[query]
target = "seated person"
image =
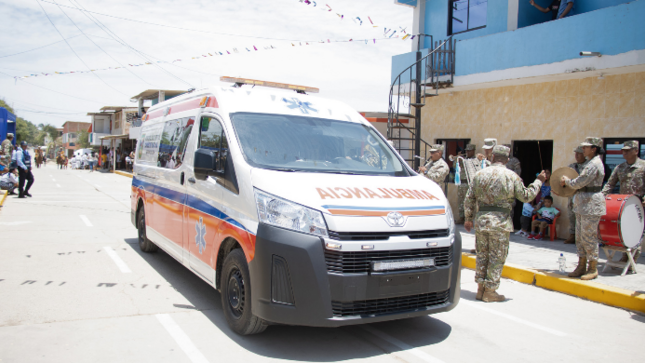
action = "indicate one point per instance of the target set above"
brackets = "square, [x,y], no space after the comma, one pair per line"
[9,181]
[546,215]
[527,214]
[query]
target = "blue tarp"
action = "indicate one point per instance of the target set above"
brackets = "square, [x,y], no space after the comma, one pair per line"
[7,124]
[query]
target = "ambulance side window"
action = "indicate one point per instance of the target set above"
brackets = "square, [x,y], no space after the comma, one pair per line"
[212,137]
[173,142]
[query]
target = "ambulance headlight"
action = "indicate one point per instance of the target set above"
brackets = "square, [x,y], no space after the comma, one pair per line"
[450,220]
[285,214]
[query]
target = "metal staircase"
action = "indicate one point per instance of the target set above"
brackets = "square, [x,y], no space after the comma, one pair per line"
[408,92]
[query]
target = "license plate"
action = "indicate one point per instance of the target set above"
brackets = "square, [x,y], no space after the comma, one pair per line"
[409,264]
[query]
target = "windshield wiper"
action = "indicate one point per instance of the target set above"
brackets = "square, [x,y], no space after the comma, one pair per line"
[283,169]
[337,172]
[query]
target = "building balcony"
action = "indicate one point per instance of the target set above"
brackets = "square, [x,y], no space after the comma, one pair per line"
[549,49]
[95,138]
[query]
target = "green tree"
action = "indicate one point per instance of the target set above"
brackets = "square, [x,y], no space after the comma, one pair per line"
[5,105]
[25,131]
[83,139]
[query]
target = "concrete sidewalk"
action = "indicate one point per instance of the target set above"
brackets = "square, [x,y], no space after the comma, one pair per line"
[543,255]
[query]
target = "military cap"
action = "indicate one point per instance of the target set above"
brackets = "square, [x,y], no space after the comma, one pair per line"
[507,145]
[489,143]
[592,141]
[501,150]
[470,147]
[632,144]
[23,143]
[436,147]
[578,149]
[10,135]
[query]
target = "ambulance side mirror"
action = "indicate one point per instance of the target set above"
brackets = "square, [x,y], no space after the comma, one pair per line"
[206,164]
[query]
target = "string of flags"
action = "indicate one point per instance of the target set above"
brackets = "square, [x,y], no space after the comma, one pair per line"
[388,34]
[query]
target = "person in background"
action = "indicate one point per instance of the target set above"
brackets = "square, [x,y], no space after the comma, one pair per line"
[491,195]
[554,7]
[23,159]
[545,190]
[577,166]
[528,209]
[589,206]
[513,162]
[489,144]
[104,159]
[546,215]
[436,169]
[92,160]
[631,175]
[8,148]
[465,174]
[9,181]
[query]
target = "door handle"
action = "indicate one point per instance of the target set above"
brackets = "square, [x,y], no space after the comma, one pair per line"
[192,180]
[181,178]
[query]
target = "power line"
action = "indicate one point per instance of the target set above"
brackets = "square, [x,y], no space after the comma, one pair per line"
[121,41]
[44,46]
[73,51]
[106,53]
[49,89]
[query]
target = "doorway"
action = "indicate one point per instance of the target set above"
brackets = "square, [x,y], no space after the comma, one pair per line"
[534,156]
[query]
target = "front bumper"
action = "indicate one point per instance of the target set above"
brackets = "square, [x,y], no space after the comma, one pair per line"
[291,284]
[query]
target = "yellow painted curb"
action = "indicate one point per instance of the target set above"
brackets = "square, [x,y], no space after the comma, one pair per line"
[4,196]
[122,173]
[593,291]
[589,290]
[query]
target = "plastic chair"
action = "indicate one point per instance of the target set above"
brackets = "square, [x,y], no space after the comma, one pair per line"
[551,227]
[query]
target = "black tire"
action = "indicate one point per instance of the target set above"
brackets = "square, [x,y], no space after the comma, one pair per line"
[236,295]
[145,244]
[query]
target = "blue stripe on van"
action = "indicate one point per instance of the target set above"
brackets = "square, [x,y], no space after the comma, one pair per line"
[187,200]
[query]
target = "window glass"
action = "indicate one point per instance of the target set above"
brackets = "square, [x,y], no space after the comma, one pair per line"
[467,15]
[300,143]
[148,144]
[172,144]
[212,137]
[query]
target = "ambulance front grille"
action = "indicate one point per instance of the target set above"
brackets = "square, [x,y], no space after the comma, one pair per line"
[389,305]
[361,262]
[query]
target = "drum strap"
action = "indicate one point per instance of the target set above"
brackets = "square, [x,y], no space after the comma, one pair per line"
[494,209]
[590,189]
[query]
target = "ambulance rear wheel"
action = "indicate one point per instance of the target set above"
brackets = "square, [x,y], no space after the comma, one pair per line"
[236,295]
[145,244]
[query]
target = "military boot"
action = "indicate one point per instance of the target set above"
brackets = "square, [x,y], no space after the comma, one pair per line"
[492,296]
[571,240]
[592,271]
[581,269]
[480,291]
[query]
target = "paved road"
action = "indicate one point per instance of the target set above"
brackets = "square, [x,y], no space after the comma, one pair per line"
[74,287]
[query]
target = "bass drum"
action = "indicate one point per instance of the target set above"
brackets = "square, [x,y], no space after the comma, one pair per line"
[623,224]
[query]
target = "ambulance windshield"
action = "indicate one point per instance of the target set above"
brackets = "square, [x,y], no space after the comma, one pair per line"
[298,143]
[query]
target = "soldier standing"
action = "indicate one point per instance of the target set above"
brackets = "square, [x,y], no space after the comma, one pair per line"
[577,166]
[631,175]
[513,162]
[436,169]
[588,205]
[489,144]
[7,147]
[468,169]
[493,190]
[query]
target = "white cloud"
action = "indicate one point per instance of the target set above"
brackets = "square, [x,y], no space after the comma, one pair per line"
[354,72]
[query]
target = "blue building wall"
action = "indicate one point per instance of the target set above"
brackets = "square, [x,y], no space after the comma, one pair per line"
[610,31]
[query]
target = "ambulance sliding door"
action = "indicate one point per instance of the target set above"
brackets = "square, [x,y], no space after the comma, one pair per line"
[204,205]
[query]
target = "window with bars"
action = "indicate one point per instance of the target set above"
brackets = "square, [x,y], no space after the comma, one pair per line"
[466,15]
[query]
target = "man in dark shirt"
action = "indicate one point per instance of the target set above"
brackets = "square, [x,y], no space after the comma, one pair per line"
[558,8]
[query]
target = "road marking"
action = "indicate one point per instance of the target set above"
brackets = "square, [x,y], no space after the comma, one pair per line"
[58,185]
[14,223]
[119,262]
[405,347]
[86,221]
[181,338]
[515,319]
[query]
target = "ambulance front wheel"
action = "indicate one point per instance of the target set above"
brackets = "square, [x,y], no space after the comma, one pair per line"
[236,295]
[145,244]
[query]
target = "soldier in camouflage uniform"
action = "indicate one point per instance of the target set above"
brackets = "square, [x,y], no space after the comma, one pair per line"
[493,190]
[631,175]
[7,147]
[489,144]
[513,162]
[468,166]
[436,169]
[577,166]
[588,205]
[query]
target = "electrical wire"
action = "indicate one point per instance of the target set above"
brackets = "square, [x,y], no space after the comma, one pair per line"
[49,89]
[44,46]
[98,46]
[73,51]
[121,41]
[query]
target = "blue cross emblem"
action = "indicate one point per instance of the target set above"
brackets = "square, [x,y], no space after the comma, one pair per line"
[200,240]
[304,107]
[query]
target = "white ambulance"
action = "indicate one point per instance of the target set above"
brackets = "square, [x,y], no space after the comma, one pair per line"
[294,207]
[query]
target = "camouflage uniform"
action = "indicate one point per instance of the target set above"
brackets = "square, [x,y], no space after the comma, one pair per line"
[494,188]
[7,147]
[469,167]
[437,172]
[589,206]
[572,216]
[631,178]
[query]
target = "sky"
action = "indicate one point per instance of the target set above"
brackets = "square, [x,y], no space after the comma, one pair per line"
[353,72]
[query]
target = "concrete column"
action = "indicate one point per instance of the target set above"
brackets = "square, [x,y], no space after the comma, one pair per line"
[418,23]
[513,13]
[140,107]
[162,96]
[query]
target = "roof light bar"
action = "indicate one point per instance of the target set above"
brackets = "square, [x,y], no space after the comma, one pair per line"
[254,82]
